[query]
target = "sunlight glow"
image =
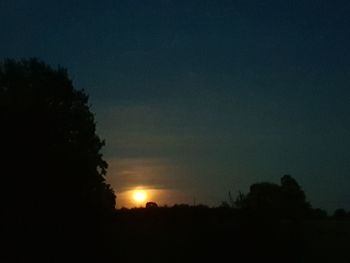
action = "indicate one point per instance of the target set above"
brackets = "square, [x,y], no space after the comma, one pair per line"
[139,196]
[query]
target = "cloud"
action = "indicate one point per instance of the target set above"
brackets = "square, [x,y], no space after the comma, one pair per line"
[156,173]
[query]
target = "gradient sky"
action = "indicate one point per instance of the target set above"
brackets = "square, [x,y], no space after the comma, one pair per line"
[198,98]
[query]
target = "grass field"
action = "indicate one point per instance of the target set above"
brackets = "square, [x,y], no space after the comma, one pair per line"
[220,235]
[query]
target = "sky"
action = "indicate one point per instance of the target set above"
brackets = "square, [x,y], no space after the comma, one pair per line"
[198,98]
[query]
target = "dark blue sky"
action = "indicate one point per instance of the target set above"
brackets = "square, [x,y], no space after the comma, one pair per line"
[198,98]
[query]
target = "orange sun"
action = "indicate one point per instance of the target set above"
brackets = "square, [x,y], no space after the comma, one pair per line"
[139,196]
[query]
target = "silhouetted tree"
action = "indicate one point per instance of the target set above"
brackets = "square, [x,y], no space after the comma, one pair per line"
[151,205]
[230,203]
[340,214]
[317,213]
[52,172]
[240,201]
[224,204]
[264,199]
[284,201]
[293,198]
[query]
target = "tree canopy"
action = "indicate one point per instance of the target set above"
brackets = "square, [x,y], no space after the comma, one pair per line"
[280,201]
[52,166]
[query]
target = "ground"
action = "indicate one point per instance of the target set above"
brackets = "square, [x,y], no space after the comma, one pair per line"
[198,234]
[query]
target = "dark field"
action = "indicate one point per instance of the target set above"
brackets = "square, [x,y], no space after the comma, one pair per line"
[223,235]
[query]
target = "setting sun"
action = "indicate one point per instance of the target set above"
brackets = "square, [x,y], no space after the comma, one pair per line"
[139,196]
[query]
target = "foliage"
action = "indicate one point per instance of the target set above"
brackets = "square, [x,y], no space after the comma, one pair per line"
[151,205]
[283,201]
[340,214]
[52,166]
[317,214]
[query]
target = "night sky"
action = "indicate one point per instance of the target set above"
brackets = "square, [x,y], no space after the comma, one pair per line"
[198,98]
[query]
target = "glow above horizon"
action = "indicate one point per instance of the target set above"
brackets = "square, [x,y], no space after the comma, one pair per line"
[139,196]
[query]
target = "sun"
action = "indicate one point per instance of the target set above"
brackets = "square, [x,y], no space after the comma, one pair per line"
[139,196]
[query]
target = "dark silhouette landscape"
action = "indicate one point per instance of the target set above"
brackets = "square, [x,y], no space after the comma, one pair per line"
[57,206]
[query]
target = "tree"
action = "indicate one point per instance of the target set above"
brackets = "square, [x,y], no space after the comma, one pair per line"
[240,201]
[264,199]
[53,173]
[284,201]
[293,198]
[340,214]
[151,205]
